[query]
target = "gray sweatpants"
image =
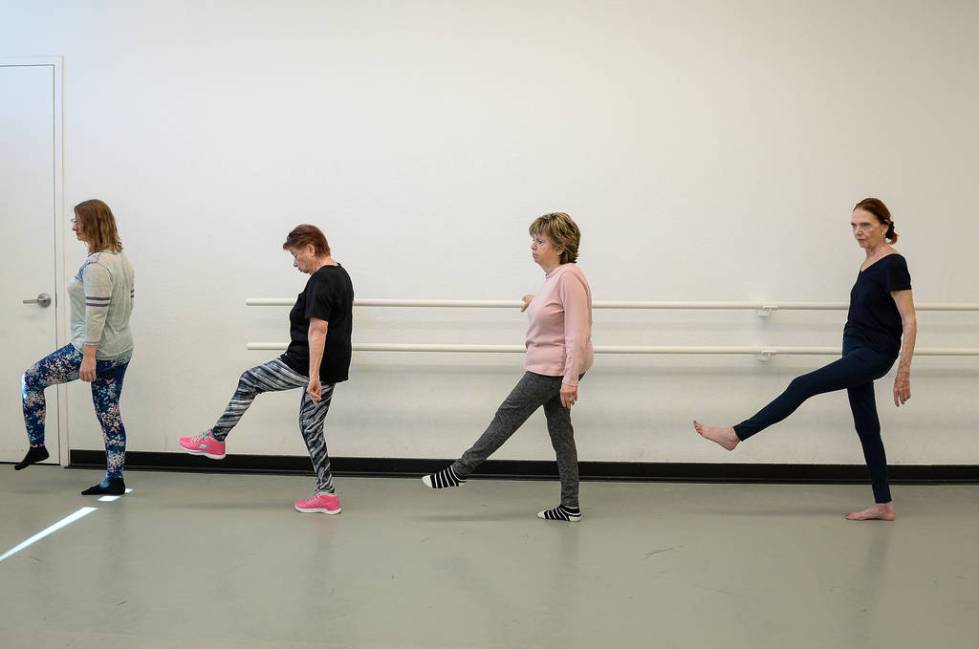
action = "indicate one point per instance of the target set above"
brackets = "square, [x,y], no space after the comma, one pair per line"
[276,376]
[532,392]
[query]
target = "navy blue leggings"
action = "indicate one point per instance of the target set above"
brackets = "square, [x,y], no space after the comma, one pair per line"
[855,372]
[63,366]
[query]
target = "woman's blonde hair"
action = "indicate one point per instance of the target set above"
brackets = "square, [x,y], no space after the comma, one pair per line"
[562,230]
[98,226]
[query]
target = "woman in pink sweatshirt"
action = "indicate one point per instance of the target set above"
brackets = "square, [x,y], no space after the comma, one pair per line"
[559,352]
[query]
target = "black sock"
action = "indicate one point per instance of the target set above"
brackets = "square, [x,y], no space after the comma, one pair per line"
[34,455]
[444,478]
[561,513]
[108,487]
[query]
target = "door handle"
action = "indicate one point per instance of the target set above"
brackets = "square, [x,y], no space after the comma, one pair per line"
[43,300]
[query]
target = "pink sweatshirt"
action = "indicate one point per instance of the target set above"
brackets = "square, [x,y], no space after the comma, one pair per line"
[559,336]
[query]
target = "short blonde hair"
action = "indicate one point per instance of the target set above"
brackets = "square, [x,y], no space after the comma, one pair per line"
[98,226]
[562,230]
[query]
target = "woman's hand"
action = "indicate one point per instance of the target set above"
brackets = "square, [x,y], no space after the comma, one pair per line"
[314,389]
[526,301]
[569,394]
[902,388]
[87,370]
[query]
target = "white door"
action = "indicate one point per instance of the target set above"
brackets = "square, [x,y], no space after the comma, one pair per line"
[28,209]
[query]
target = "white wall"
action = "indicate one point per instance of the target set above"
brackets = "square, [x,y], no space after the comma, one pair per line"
[710,151]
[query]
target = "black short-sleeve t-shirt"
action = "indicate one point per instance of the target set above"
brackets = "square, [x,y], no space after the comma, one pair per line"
[329,296]
[873,315]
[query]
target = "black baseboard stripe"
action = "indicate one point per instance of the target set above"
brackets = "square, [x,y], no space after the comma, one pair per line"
[535,470]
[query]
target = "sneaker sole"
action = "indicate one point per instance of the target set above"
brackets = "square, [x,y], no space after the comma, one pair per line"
[210,456]
[319,510]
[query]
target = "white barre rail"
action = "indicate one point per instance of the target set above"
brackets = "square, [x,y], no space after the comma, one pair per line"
[763,352]
[762,307]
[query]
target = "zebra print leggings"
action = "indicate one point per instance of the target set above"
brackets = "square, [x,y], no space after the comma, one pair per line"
[276,376]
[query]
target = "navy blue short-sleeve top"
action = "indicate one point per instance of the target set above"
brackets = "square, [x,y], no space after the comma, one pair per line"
[873,315]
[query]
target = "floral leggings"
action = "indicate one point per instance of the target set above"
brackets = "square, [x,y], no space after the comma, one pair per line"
[63,366]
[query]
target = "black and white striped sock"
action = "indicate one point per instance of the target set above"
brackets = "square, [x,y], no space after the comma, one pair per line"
[561,513]
[444,478]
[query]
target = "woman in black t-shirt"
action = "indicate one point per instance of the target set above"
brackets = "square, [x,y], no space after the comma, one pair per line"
[881,314]
[317,359]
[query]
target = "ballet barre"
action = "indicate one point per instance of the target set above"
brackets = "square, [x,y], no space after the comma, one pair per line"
[762,309]
[762,353]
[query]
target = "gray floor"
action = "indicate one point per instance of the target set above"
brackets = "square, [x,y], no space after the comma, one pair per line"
[195,560]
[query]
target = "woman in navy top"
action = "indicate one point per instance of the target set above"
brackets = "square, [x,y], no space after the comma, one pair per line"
[881,315]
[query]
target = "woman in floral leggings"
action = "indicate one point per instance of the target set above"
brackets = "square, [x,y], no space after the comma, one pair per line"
[101,345]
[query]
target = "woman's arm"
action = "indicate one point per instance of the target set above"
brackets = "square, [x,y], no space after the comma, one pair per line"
[577,332]
[317,343]
[97,284]
[909,323]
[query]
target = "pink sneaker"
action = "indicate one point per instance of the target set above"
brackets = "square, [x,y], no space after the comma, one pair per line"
[319,502]
[203,444]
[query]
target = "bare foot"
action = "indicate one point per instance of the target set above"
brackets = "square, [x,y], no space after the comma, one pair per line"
[878,512]
[722,435]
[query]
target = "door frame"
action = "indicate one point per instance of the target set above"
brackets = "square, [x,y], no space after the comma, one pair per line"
[56,63]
